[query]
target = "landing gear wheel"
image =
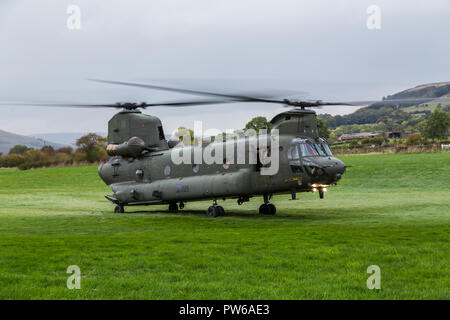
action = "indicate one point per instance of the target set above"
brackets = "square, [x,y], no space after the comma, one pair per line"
[272,209]
[119,209]
[173,207]
[181,205]
[212,212]
[221,210]
[267,208]
[263,208]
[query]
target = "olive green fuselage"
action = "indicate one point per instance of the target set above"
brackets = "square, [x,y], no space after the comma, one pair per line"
[154,178]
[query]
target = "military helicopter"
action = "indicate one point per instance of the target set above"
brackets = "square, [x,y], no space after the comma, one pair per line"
[141,170]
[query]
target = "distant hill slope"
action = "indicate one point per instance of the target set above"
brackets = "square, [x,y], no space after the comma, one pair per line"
[387,113]
[440,89]
[64,138]
[9,140]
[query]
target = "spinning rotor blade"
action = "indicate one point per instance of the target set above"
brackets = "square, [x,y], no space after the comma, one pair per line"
[221,98]
[260,97]
[396,101]
[120,105]
[64,105]
[269,98]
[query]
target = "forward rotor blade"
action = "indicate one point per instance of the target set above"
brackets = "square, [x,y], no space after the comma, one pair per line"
[119,105]
[63,105]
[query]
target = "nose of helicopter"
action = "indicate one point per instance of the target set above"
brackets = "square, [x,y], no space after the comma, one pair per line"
[332,170]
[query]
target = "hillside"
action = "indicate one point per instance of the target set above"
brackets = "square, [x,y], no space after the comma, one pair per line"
[64,138]
[434,90]
[9,140]
[387,117]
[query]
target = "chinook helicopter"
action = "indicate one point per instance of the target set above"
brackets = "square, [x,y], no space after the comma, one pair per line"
[141,171]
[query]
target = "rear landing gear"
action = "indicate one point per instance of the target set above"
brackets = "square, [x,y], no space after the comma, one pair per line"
[266,207]
[215,211]
[119,209]
[173,207]
[221,210]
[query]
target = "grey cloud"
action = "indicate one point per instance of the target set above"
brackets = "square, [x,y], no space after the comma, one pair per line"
[322,47]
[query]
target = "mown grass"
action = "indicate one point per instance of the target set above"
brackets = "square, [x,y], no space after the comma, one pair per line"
[389,210]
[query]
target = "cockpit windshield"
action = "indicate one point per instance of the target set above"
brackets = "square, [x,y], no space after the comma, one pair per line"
[321,149]
[327,149]
[307,148]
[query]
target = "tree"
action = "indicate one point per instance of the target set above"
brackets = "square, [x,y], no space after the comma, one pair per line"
[182,133]
[48,150]
[88,143]
[92,145]
[322,126]
[258,123]
[18,149]
[436,126]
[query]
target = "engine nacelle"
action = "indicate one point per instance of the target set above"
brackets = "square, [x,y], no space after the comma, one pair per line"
[132,148]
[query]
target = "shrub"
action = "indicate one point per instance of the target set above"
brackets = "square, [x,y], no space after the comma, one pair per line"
[66,150]
[414,139]
[354,144]
[12,160]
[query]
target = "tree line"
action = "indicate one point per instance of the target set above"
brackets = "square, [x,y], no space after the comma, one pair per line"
[90,149]
[430,125]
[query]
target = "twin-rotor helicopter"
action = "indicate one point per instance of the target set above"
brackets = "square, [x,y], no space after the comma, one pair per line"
[141,171]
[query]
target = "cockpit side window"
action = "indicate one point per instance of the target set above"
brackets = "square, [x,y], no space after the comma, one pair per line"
[293,152]
[161,133]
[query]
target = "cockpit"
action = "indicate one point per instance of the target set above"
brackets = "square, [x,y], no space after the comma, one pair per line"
[308,148]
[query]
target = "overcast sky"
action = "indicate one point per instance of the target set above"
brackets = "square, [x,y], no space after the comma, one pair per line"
[321,47]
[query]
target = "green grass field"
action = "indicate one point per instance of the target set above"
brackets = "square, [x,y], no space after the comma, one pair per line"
[389,210]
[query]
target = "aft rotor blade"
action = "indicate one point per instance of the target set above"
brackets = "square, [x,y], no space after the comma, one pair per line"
[187,103]
[389,101]
[237,97]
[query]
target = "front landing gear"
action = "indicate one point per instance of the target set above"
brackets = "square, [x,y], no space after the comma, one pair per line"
[119,209]
[215,211]
[266,207]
